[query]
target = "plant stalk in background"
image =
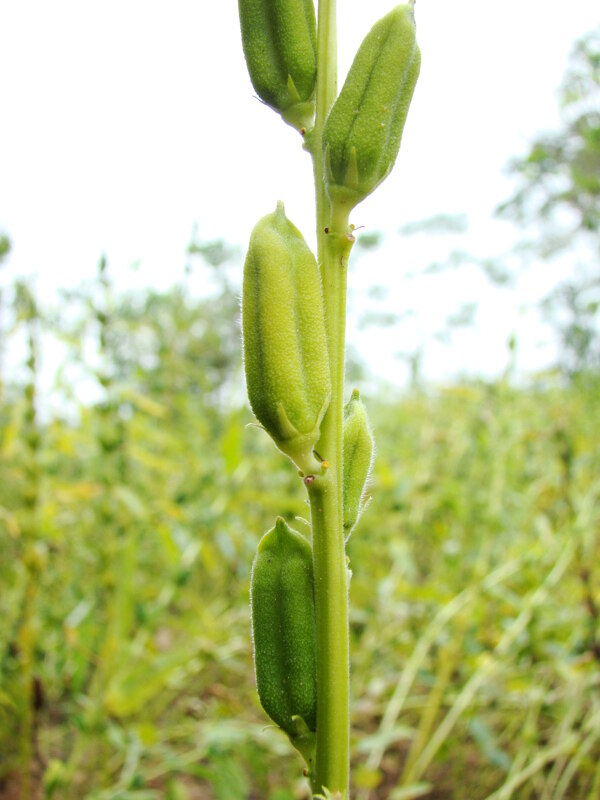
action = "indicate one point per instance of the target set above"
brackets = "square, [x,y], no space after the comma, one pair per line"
[294,320]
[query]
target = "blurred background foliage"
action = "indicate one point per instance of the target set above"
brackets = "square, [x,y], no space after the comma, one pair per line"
[133,493]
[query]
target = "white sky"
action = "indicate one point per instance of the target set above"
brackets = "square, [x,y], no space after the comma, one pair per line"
[125,123]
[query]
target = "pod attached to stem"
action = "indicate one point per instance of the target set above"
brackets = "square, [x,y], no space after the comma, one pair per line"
[364,128]
[280,45]
[284,633]
[285,347]
[358,458]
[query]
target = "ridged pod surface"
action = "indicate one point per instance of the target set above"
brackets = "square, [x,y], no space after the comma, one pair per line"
[363,131]
[358,457]
[284,628]
[285,347]
[280,45]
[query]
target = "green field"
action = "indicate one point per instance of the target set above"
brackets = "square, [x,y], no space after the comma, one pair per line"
[128,524]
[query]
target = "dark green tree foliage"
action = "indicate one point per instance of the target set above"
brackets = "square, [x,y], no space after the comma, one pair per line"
[558,196]
[560,175]
[4,246]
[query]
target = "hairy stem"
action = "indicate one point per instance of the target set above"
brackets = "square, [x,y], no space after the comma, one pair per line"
[331,575]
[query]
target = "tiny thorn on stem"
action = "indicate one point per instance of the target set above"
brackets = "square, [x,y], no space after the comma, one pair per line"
[326,230]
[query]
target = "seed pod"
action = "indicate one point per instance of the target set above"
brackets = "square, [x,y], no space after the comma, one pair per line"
[280,44]
[285,348]
[284,629]
[358,458]
[362,133]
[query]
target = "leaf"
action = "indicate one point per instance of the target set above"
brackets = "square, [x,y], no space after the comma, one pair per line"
[486,741]
[412,791]
[146,404]
[132,501]
[385,738]
[79,613]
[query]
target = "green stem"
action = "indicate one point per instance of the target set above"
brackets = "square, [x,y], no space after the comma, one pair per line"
[332,761]
[26,645]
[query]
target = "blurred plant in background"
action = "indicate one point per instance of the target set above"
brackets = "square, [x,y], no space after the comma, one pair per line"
[127,671]
[128,498]
[558,196]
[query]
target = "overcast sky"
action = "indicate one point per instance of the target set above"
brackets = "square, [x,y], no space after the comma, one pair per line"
[124,124]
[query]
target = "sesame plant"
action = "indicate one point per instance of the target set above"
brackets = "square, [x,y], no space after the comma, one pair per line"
[293,320]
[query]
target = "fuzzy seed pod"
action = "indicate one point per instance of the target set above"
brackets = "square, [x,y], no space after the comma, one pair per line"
[284,629]
[362,133]
[280,44]
[285,347]
[358,457]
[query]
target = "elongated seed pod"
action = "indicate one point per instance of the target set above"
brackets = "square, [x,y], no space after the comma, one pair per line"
[362,133]
[284,628]
[358,458]
[285,348]
[280,45]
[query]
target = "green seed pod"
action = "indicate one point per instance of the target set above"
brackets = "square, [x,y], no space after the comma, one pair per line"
[284,629]
[285,347]
[362,133]
[358,458]
[280,44]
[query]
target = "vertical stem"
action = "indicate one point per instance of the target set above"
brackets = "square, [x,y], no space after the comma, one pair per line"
[29,533]
[325,493]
